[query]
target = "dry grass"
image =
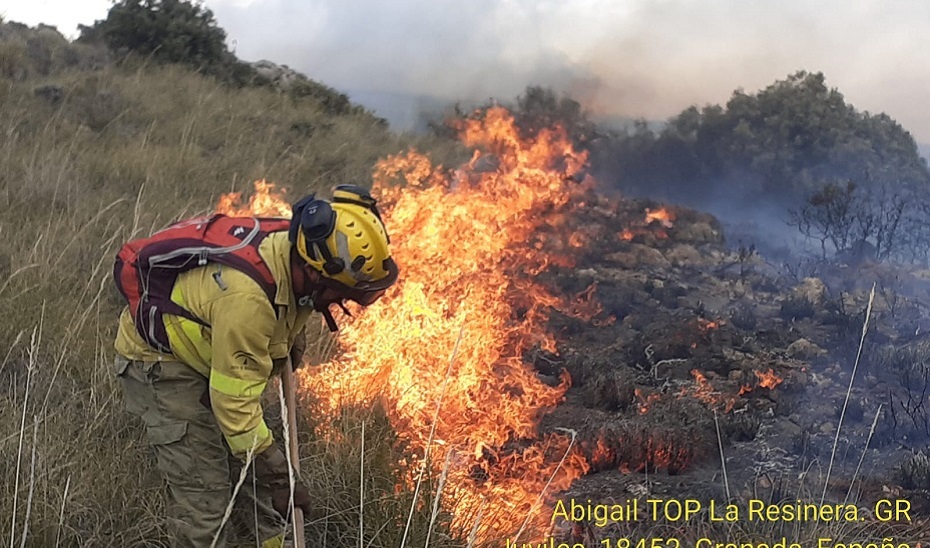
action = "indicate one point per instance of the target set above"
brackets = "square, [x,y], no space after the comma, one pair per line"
[126,150]
[354,460]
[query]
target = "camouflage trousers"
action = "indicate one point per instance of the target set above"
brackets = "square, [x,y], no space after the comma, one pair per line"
[191,453]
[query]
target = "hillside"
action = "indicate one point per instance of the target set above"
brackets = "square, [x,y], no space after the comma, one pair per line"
[94,152]
[548,340]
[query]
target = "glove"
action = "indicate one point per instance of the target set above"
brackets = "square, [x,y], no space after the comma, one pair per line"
[271,469]
[297,350]
[281,499]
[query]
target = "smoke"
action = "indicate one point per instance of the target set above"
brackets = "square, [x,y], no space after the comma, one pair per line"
[639,58]
[65,15]
[461,50]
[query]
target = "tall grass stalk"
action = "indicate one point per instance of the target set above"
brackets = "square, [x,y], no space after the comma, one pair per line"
[30,366]
[864,451]
[473,534]
[61,513]
[286,429]
[432,433]
[545,488]
[442,483]
[361,492]
[32,481]
[76,236]
[852,377]
[137,208]
[77,323]
[17,272]
[255,510]
[243,473]
[9,351]
[723,459]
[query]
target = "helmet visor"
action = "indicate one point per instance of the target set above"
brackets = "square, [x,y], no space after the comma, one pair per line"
[365,298]
[338,293]
[364,293]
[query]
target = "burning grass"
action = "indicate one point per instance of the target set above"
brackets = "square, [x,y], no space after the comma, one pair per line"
[486,421]
[476,244]
[469,256]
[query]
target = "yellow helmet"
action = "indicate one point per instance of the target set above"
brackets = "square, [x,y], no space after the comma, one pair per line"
[346,242]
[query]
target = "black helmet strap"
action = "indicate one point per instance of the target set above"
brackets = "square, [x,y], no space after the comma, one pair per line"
[322,306]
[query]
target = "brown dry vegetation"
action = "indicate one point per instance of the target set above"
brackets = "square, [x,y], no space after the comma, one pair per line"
[118,152]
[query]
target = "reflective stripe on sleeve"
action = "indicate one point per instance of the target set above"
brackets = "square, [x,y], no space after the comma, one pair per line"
[254,439]
[232,386]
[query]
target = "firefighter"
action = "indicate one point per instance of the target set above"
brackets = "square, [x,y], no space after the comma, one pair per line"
[199,391]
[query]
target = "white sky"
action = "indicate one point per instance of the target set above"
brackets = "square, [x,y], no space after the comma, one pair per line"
[648,58]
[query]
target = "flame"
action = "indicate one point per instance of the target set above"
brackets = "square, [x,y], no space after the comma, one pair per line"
[645,400]
[707,393]
[469,243]
[265,202]
[442,350]
[662,216]
[628,450]
[704,391]
[709,325]
[654,223]
[577,239]
[768,379]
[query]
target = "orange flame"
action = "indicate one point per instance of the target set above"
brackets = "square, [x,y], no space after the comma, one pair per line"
[645,400]
[577,239]
[707,393]
[704,390]
[661,215]
[768,379]
[709,325]
[468,243]
[265,202]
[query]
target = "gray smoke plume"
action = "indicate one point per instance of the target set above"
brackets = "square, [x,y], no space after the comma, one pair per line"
[636,58]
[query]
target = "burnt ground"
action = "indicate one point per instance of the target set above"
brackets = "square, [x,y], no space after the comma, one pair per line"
[708,338]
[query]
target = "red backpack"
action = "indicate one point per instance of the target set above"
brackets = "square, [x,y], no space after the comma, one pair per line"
[146,269]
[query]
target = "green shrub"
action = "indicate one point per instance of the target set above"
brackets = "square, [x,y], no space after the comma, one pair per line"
[173,31]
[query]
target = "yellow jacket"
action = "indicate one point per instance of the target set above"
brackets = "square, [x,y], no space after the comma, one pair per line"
[237,350]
